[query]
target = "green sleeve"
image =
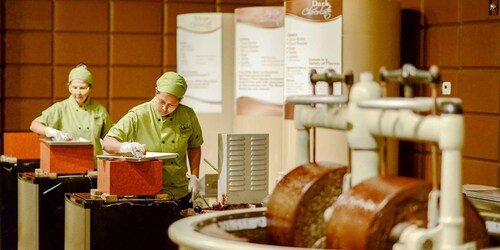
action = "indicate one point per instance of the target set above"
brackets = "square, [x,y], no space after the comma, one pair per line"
[51,117]
[125,129]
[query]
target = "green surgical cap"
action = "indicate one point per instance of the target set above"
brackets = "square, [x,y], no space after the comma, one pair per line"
[172,83]
[80,72]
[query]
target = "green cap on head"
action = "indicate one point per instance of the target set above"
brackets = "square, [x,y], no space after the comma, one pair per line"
[171,83]
[80,72]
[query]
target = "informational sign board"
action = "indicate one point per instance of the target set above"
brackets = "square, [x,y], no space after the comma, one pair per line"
[313,40]
[200,48]
[259,68]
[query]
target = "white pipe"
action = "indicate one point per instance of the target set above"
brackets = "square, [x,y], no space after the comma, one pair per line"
[302,145]
[403,124]
[359,136]
[448,131]
[364,146]
[364,165]
[332,117]
[451,210]
[306,117]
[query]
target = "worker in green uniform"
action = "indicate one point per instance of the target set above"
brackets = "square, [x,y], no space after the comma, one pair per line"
[164,125]
[77,116]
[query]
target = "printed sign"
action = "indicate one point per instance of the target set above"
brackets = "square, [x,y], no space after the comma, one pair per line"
[259,64]
[313,40]
[199,59]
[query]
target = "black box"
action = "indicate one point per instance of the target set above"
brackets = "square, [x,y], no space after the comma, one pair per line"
[41,208]
[128,223]
[8,200]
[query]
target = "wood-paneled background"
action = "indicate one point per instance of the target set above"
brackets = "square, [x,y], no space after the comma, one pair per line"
[127,44]
[463,39]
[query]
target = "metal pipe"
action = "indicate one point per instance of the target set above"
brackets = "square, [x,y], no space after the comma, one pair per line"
[409,75]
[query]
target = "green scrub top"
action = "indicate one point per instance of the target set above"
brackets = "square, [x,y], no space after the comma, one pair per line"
[90,122]
[175,133]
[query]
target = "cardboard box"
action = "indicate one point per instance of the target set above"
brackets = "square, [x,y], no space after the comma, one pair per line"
[66,159]
[22,145]
[124,178]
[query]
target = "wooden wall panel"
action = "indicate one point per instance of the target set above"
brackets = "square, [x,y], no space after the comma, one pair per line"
[73,48]
[20,112]
[170,50]
[474,10]
[482,137]
[133,82]
[460,38]
[135,49]
[141,17]
[85,16]
[28,47]
[475,85]
[479,45]
[480,172]
[118,108]
[443,11]
[441,46]
[25,81]
[28,14]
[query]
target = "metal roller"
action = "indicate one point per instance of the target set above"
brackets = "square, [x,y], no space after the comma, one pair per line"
[372,213]
[295,210]
[296,206]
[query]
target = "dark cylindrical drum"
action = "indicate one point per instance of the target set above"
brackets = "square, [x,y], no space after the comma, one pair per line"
[364,217]
[296,206]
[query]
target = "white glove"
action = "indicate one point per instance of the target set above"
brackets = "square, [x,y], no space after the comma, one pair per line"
[135,148]
[57,134]
[194,187]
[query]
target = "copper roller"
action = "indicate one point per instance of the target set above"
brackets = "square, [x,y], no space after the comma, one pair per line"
[296,206]
[366,216]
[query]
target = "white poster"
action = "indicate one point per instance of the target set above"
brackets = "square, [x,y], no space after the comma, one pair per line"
[199,59]
[313,40]
[259,61]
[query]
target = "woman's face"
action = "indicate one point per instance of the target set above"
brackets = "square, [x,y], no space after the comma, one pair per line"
[79,90]
[166,103]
